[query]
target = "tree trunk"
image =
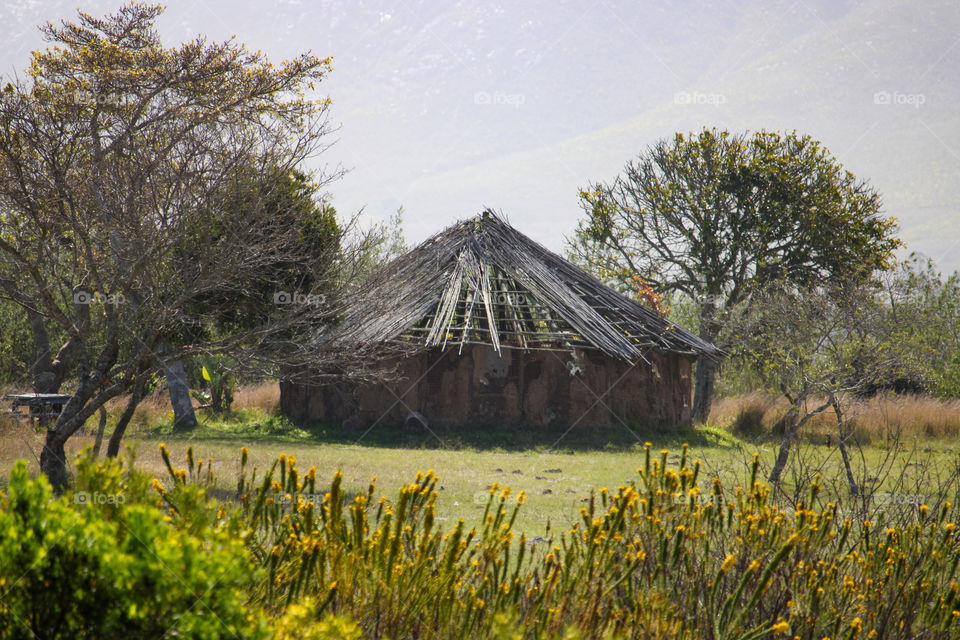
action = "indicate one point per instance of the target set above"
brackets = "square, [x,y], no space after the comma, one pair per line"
[53,460]
[854,489]
[783,454]
[789,432]
[183,415]
[44,378]
[842,443]
[706,373]
[100,429]
[113,447]
[703,389]
[48,372]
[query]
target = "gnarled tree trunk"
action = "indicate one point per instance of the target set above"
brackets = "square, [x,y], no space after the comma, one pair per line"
[789,433]
[842,443]
[100,429]
[183,414]
[48,372]
[53,460]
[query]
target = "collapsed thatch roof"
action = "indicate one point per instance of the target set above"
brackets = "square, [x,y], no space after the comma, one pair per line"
[483,282]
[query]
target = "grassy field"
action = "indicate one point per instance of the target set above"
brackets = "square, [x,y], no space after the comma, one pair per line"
[557,482]
[687,541]
[557,471]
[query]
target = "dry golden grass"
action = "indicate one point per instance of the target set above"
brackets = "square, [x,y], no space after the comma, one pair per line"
[152,410]
[22,441]
[878,419]
[155,408]
[19,442]
[264,396]
[748,415]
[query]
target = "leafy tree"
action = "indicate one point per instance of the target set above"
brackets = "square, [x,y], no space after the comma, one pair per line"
[16,347]
[927,305]
[291,201]
[288,200]
[714,216]
[116,156]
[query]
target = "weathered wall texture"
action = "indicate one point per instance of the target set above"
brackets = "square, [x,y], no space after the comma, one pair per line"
[478,387]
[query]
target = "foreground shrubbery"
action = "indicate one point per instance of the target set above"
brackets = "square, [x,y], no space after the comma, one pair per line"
[69,567]
[657,559]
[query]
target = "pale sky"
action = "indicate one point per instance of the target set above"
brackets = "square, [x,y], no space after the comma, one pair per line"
[450,107]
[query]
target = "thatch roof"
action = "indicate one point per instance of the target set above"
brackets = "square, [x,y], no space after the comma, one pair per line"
[483,282]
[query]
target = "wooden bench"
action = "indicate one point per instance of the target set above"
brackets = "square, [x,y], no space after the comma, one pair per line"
[42,407]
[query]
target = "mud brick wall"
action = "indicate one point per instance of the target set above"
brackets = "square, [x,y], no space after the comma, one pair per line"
[532,388]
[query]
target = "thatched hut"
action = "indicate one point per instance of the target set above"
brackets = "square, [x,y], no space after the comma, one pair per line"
[498,330]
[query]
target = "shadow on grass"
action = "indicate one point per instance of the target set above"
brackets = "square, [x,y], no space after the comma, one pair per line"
[495,437]
[252,427]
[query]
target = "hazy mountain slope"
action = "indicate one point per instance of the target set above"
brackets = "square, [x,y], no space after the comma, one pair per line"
[823,82]
[449,107]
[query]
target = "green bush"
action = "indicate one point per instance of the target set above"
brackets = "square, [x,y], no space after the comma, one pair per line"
[104,562]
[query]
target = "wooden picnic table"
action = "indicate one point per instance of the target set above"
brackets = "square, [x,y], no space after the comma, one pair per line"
[39,405]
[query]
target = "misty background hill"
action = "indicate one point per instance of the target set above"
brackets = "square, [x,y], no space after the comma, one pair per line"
[447,108]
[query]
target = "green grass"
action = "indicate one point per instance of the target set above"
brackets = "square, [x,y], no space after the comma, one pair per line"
[557,471]
[733,560]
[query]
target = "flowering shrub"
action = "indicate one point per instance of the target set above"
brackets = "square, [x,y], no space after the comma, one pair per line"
[660,558]
[667,556]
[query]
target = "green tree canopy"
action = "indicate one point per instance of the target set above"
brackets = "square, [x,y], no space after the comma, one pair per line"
[118,158]
[714,216]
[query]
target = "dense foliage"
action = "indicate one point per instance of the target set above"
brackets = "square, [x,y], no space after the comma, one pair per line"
[896,331]
[927,304]
[713,216]
[108,564]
